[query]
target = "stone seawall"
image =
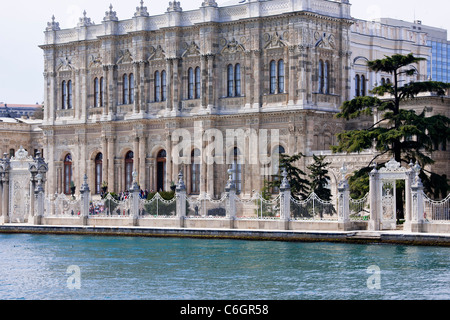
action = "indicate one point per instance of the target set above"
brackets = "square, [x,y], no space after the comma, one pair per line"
[392,237]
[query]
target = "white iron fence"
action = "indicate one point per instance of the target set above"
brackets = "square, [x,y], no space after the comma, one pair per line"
[437,211]
[313,208]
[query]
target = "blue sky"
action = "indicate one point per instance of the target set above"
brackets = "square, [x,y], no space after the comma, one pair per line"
[22,24]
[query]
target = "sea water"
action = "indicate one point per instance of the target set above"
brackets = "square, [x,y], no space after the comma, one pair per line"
[63,267]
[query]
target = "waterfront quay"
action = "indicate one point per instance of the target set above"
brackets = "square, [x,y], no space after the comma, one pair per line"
[363,237]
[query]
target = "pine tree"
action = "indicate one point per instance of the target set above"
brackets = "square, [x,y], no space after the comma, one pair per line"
[405,135]
[296,177]
[319,178]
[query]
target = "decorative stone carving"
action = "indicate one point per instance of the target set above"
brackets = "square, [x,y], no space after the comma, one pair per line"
[53,26]
[324,40]
[174,6]
[231,46]
[85,21]
[110,15]
[274,41]
[95,61]
[191,49]
[125,57]
[156,53]
[65,64]
[141,11]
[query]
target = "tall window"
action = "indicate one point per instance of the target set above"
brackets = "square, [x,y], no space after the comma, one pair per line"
[234,80]
[195,171]
[160,170]
[96,93]
[276,153]
[160,87]
[273,77]
[277,74]
[126,91]
[64,95]
[363,86]
[326,73]
[102,91]
[236,168]
[157,87]
[191,83]
[131,97]
[163,86]
[197,83]
[237,80]
[129,169]
[98,173]
[321,77]
[69,95]
[67,173]
[230,76]
[357,85]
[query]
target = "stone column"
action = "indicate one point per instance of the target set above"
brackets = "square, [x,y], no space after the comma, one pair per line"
[105,93]
[203,83]
[210,93]
[142,88]
[257,72]
[417,205]
[170,106]
[168,162]
[85,198]
[181,200]
[136,86]
[375,200]
[135,191]
[39,205]
[230,189]
[344,202]
[285,202]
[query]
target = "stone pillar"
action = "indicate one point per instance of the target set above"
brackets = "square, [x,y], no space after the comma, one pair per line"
[375,200]
[230,189]
[105,90]
[417,205]
[135,191]
[181,200]
[4,168]
[136,87]
[110,163]
[408,199]
[344,202]
[85,198]
[285,201]
[39,205]
[142,157]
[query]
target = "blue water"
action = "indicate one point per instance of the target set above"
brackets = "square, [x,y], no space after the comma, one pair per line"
[117,268]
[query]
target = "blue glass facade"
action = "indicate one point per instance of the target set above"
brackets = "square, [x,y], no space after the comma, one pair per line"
[438,67]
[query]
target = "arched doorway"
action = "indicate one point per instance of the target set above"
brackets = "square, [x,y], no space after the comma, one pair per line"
[67,174]
[129,159]
[98,173]
[160,170]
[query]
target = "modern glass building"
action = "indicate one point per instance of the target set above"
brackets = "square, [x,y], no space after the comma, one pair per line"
[438,67]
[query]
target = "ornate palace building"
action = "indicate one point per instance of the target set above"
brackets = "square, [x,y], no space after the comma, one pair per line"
[119,93]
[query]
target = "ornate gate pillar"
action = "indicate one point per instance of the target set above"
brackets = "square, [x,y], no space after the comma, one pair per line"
[374,222]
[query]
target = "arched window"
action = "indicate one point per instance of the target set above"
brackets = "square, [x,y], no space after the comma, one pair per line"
[67,174]
[64,95]
[197,83]
[273,77]
[69,95]
[237,78]
[326,82]
[388,81]
[321,76]
[363,86]
[102,91]
[157,86]
[160,170]
[357,86]
[163,86]
[280,76]
[383,81]
[230,82]
[195,171]
[125,93]
[191,83]
[12,152]
[236,168]
[129,169]
[131,97]
[98,173]
[96,93]
[276,154]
